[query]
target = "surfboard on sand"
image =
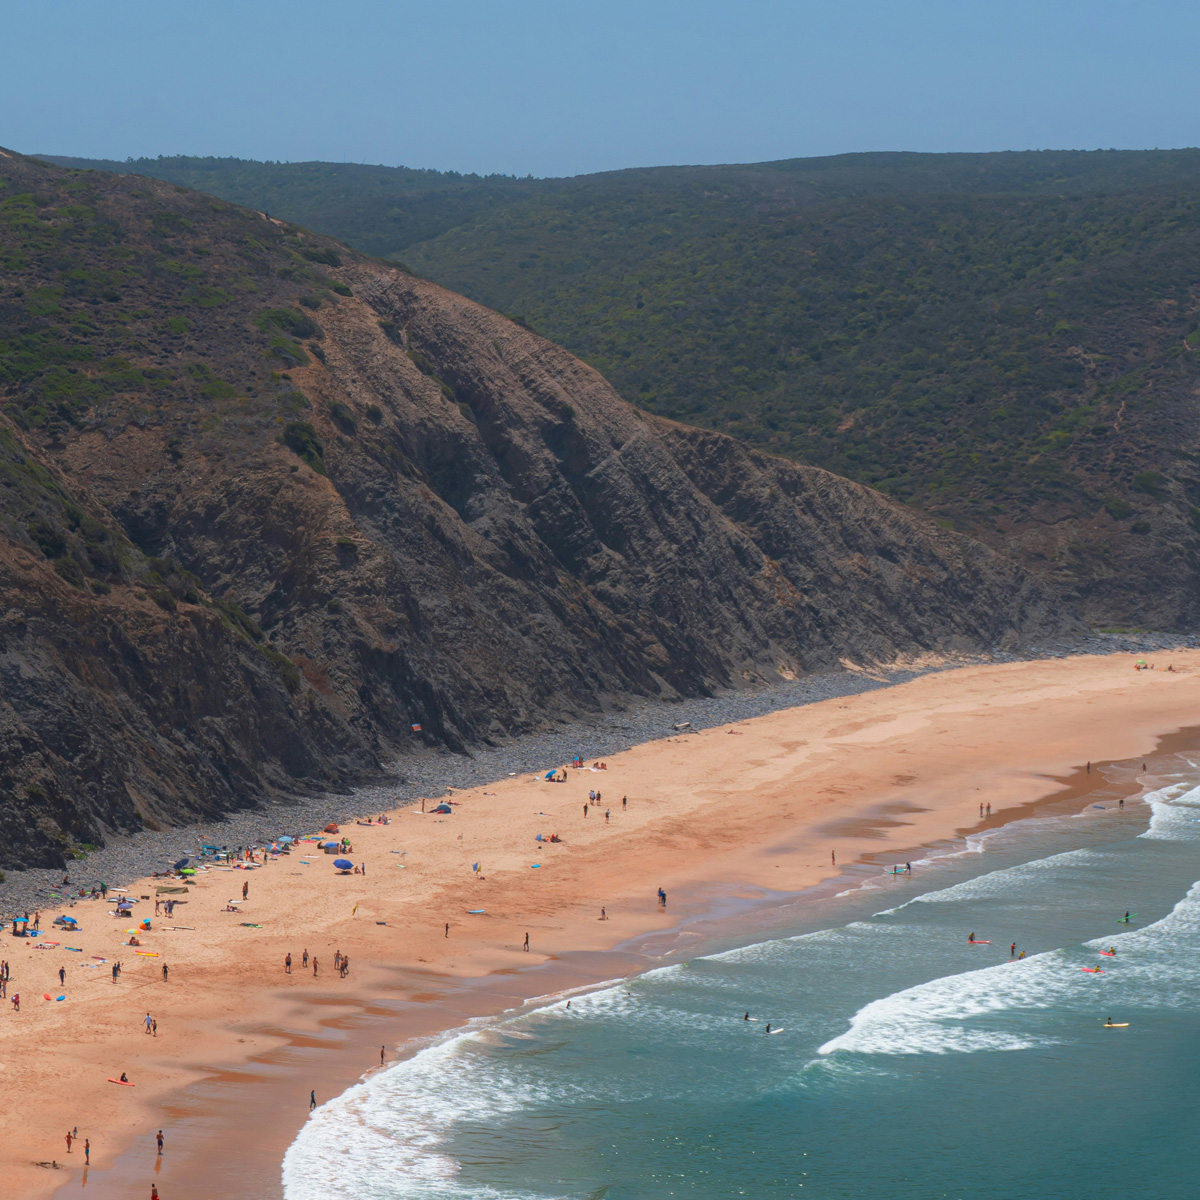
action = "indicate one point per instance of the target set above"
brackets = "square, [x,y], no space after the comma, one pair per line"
[121,1082]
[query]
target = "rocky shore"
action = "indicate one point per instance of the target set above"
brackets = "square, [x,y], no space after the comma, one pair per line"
[431,773]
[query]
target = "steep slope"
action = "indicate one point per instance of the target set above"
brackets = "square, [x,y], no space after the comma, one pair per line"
[341,502]
[1005,341]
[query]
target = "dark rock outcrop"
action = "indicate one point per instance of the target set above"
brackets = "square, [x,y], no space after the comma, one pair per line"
[340,502]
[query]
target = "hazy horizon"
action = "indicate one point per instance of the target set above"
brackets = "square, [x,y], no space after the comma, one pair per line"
[547,90]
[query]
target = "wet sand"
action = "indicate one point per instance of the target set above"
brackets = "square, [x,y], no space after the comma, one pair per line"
[725,817]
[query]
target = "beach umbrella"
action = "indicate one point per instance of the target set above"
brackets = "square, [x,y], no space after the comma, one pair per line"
[343,864]
[329,845]
[183,862]
[443,808]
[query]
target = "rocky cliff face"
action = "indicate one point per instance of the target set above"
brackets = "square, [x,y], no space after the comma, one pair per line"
[269,505]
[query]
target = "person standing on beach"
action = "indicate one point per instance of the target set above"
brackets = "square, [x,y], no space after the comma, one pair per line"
[585,808]
[245,889]
[159,1139]
[87,1152]
[447,928]
[62,976]
[624,803]
[312,1100]
[165,972]
[114,972]
[149,1022]
[526,946]
[381,1049]
[287,964]
[70,1139]
[606,815]
[314,966]
[833,858]
[989,809]
[304,960]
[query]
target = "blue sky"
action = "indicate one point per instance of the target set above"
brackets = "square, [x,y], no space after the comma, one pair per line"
[525,86]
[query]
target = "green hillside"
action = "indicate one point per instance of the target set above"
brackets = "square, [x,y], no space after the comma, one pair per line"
[1007,341]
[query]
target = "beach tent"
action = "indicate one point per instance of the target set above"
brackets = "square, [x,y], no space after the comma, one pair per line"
[343,864]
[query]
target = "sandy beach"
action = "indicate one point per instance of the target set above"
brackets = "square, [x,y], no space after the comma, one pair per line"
[764,804]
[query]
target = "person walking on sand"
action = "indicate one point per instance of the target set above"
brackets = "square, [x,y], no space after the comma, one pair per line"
[381,1049]
[314,966]
[606,816]
[87,1152]
[149,1022]
[624,803]
[287,964]
[16,1001]
[447,929]
[114,972]
[62,976]
[526,946]
[585,808]
[166,972]
[70,1139]
[245,889]
[154,1027]
[833,858]
[159,1140]
[312,1099]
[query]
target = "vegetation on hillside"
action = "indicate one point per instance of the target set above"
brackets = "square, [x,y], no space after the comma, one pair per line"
[1007,341]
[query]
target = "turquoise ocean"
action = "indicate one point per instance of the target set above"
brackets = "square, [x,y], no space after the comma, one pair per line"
[908,1063]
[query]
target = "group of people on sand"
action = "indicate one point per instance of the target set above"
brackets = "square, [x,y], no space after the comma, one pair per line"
[1144,666]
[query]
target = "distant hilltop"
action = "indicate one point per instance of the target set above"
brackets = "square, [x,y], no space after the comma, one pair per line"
[275,512]
[1007,341]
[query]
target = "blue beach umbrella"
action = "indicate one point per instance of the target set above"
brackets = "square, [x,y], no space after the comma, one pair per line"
[343,864]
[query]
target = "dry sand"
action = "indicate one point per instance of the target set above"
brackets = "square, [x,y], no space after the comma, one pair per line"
[760,803]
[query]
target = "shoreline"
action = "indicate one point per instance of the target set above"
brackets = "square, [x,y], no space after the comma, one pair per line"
[242,1095]
[691,833]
